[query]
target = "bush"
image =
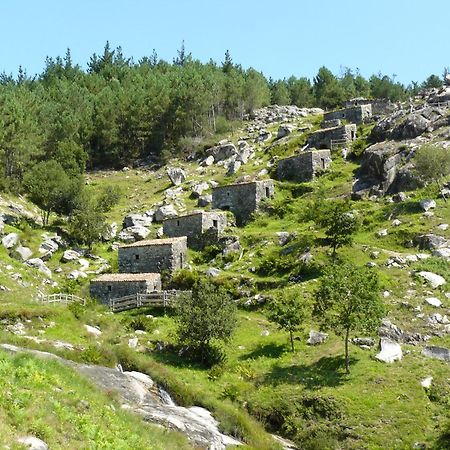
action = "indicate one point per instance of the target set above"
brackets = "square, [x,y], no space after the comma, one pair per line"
[141,322]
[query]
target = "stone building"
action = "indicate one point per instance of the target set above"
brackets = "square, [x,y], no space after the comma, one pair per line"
[354,114]
[325,138]
[200,227]
[116,285]
[380,106]
[303,166]
[153,256]
[242,199]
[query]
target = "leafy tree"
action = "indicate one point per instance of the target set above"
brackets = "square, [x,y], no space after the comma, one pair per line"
[280,93]
[289,311]
[300,91]
[432,164]
[108,198]
[339,222]
[50,188]
[205,317]
[433,81]
[328,91]
[348,300]
[87,223]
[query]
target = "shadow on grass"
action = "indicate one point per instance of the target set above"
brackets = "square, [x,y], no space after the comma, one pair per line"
[268,350]
[327,371]
[403,208]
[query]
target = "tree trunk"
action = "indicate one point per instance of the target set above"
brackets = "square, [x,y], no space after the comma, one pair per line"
[347,359]
[292,341]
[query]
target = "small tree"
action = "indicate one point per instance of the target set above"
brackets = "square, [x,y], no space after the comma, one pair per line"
[432,164]
[348,300]
[289,311]
[206,316]
[339,222]
[51,189]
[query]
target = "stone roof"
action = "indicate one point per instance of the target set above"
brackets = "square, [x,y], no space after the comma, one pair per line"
[244,183]
[109,277]
[196,213]
[155,242]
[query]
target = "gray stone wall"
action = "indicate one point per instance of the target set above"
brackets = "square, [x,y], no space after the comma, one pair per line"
[354,114]
[304,166]
[321,139]
[242,199]
[330,123]
[194,226]
[106,290]
[153,258]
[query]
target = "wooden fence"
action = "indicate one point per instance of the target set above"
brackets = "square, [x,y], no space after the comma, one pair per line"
[337,143]
[61,298]
[163,299]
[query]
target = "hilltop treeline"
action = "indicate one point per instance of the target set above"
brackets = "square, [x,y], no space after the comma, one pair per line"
[118,110]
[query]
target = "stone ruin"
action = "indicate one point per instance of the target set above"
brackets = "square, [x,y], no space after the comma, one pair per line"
[242,199]
[200,227]
[329,137]
[304,166]
[356,114]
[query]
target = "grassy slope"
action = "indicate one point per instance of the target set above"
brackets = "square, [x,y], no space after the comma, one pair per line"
[378,405]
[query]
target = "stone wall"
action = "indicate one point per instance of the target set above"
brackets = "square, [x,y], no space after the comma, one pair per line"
[242,199]
[104,289]
[321,139]
[195,225]
[354,114]
[153,256]
[304,166]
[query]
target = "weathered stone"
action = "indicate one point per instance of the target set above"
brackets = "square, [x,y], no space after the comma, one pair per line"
[284,130]
[222,151]
[399,197]
[132,220]
[233,247]
[390,351]
[441,353]
[283,237]
[213,272]
[433,301]
[176,175]
[22,253]
[430,241]
[427,204]
[208,161]
[93,330]
[204,200]
[432,279]
[70,255]
[32,443]
[38,264]
[324,138]
[365,341]
[138,232]
[442,253]
[354,114]
[199,188]
[110,232]
[49,246]
[316,337]
[165,212]
[233,167]
[76,274]
[390,331]
[10,240]
[382,233]
[426,382]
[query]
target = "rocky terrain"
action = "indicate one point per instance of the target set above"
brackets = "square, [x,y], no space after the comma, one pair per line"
[397,395]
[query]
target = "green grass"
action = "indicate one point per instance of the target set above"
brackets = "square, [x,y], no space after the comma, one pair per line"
[51,402]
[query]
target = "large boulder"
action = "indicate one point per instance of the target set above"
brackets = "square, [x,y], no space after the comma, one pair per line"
[222,152]
[48,247]
[176,175]
[432,279]
[390,351]
[441,353]
[134,219]
[38,264]
[316,338]
[22,253]
[32,443]
[70,255]
[10,240]
[138,232]
[430,241]
[284,130]
[427,204]
[199,188]
[165,212]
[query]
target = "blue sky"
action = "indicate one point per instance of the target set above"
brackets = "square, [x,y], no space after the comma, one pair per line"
[408,38]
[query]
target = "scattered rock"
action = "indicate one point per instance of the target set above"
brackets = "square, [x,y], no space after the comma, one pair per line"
[204,200]
[133,342]
[213,272]
[132,220]
[38,264]
[390,351]
[437,353]
[93,330]
[427,204]
[382,233]
[70,255]
[165,212]
[430,241]
[209,161]
[284,130]
[316,337]
[199,188]
[366,342]
[22,253]
[432,279]
[10,240]
[426,382]
[433,301]
[265,333]
[396,223]
[32,443]
[390,331]
[75,274]
[176,175]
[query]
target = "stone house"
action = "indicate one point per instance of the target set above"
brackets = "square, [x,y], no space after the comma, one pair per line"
[200,227]
[303,166]
[116,285]
[242,199]
[341,135]
[354,114]
[153,256]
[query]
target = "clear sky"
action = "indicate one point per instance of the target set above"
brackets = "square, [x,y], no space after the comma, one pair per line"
[408,38]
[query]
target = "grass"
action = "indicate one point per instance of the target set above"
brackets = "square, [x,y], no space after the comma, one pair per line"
[51,402]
